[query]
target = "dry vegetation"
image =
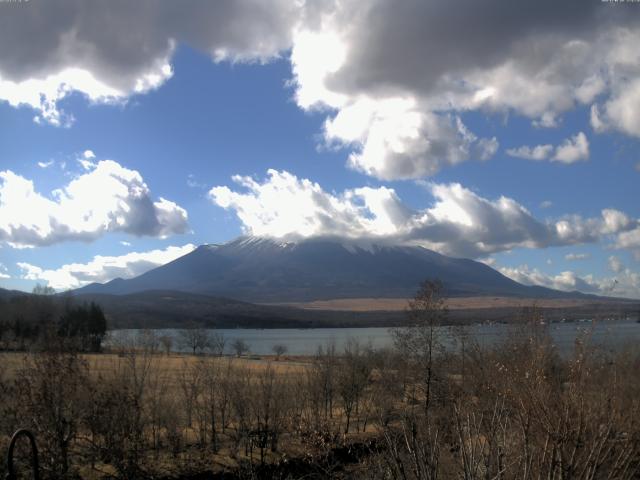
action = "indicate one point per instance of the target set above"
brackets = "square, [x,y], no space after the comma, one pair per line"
[512,411]
[456,303]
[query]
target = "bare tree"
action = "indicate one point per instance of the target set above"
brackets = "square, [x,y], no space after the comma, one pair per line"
[216,344]
[51,388]
[167,343]
[190,380]
[352,377]
[420,340]
[148,340]
[194,339]
[240,347]
[279,349]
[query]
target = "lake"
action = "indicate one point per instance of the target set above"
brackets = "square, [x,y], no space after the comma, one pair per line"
[610,334]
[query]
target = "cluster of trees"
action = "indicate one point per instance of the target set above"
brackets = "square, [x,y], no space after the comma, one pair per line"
[516,410]
[31,321]
[195,340]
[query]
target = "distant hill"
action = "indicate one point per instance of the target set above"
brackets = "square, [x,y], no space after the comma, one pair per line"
[176,309]
[7,294]
[173,309]
[167,309]
[263,270]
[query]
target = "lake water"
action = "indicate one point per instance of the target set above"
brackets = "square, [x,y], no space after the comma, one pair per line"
[611,334]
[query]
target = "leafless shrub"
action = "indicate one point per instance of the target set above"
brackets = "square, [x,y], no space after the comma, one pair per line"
[240,347]
[216,344]
[194,340]
[51,387]
[279,350]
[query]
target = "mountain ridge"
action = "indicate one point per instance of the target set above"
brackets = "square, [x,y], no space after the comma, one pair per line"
[260,270]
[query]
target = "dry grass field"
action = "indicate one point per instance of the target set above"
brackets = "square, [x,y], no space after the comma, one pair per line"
[515,410]
[453,303]
[173,364]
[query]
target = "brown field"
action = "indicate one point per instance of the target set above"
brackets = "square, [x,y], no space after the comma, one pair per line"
[453,303]
[352,414]
[174,363]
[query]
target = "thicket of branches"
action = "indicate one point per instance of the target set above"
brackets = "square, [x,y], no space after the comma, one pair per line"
[516,410]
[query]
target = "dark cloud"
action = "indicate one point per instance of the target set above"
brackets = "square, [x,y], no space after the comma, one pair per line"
[120,40]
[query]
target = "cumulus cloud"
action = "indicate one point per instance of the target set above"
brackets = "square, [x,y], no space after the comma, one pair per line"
[397,139]
[625,284]
[571,150]
[459,222]
[615,264]
[539,152]
[103,268]
[391,88]
[85,160]
[392,94]
[109,52]
[630,240]
[567,281]
[285,206]
[109,198]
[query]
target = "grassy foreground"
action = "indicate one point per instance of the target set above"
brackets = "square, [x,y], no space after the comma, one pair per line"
[511,411]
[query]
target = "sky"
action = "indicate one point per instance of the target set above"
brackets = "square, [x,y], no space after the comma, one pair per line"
[505,132]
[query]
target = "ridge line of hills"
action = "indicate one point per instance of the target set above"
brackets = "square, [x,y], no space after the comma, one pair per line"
[262,283]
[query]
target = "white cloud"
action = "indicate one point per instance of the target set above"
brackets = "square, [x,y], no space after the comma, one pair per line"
[539,152]
[491,261]
[45,164]
[284,206]
[86,160]
[620,112]
[396,139]
[625,284]
[546,204]
[110,198]
[459,222]
[192,182]
[630,239]
[567,281]
[576,256]
[395,109]
[615,264]
[103,268]
[4,274]
[571,150]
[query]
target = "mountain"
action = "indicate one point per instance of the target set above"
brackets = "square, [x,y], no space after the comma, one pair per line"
[255,269]
[8,294]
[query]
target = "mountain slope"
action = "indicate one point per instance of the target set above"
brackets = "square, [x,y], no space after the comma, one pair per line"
[263,270]
[8,294]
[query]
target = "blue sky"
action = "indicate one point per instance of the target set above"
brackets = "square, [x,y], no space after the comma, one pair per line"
[330,132]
